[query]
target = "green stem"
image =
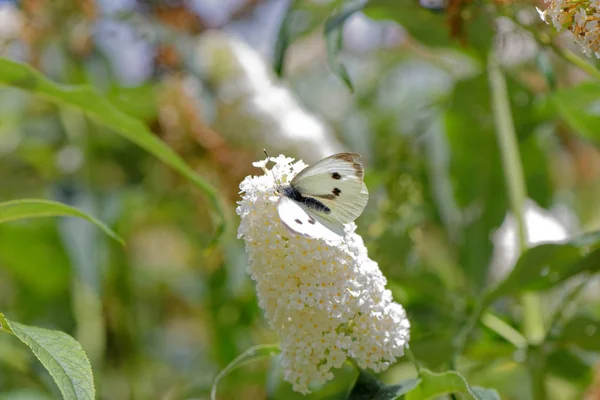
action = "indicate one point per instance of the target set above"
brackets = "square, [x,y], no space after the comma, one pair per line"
[412,359]
[545,40]
[573,58]
[503,329]
[509,149]
[515,184]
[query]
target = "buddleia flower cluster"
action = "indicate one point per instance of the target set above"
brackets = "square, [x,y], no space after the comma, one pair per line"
[326,300]
[580,17]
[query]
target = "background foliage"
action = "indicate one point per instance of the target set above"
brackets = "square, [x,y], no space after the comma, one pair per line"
[175,99]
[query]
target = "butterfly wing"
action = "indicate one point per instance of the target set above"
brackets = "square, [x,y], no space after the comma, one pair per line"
[337,182]
[302,221]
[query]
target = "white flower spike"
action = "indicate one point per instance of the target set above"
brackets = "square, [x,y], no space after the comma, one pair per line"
[326,300]
[580,18]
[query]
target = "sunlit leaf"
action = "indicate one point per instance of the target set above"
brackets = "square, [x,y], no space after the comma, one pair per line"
[546,266]
[252,354]
[89,101]
[60,354]
[38,208]
[367,387]
[433,385]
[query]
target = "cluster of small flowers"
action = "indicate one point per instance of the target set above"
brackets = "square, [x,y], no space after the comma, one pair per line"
[580,17]
[327,301]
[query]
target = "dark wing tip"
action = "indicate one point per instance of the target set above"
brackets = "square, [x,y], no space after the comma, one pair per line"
[352,158]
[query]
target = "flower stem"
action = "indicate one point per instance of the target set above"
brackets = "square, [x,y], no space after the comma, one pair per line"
[412,359]
[515,184]
[573,58]
[503,329]
[566,54]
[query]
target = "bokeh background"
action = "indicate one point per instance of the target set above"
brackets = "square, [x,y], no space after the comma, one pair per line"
[218,81]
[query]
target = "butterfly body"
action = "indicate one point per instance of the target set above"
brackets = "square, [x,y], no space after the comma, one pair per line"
[323,197]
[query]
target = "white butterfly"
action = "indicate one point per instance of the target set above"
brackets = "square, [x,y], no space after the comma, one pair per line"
[323,197]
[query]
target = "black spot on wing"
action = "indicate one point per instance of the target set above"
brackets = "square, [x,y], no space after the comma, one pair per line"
[298,221]
[351,158]
[335,175]
[311,221]
[336,191]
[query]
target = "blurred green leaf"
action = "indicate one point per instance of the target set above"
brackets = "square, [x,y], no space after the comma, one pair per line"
[424,25]
[334,30]
[545,266]
[25,394]
[285,37]
[301,18]
[582,331]
[252,354]
[536,167]
[33,256]
[100,109]
[476,175]
[367,387]
[568,365]
[433,385]
[138,101]
[579,107]
[432,28]
[60,354]
[36,208]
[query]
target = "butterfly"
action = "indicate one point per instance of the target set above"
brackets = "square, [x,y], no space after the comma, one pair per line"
[323,197]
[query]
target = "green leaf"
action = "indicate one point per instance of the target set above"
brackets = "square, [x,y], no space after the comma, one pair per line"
[60,354]
[89,101]
[476,176]
[252,354]
[432,28]
[579,107]
[284,39]
[545,266]
[569,365]
[334,29]
[367,387]
[582,331]
[428,27]
[433,385]
[37,208]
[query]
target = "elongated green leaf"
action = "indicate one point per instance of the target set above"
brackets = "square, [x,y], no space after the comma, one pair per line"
[434,385]
[38,208]
[367,387]
[252,354]
[60,354]
[547,265]
[334,27]
[284,39]
[538,266]
[89,101]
